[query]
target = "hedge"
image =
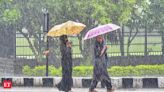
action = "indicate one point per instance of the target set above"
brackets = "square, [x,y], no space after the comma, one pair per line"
[87,71]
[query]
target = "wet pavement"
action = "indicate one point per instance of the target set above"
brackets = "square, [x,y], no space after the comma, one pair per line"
[39,89]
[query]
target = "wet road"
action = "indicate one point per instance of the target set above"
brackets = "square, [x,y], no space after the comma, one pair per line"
[22,89]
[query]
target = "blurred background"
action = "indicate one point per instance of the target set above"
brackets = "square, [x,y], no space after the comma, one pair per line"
[136,49]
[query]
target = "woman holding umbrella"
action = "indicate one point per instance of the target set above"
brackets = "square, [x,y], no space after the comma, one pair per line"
[62,30]
[66,61]
[100,69]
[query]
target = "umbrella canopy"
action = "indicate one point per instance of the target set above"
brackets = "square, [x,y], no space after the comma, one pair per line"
[67,28]
[100,30]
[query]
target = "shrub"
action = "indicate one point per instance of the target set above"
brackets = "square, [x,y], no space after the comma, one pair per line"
[83,71]
[87,71]
[41,70]
[55,72]
[27,70]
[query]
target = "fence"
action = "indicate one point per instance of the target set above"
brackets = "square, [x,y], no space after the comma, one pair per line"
[136,48]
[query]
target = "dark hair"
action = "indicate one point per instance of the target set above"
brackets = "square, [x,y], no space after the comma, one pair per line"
[63,39]
[98,44]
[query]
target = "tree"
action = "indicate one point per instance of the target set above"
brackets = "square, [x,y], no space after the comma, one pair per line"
[8,15]
[120,13]
[90,12]
[60,11]
[149,18]
[136,21]
[157,10]
[80,11]
[8,11]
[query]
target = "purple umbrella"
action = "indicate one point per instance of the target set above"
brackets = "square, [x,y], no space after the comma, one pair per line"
[100,30]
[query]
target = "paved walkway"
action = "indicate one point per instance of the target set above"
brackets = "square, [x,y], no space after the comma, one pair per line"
[38,89]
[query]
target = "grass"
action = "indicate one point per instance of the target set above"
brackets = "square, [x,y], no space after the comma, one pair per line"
[112,48]
[23,51]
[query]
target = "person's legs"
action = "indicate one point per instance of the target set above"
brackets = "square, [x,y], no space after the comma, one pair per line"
[70,80]
[108,84]
[62,84]
[93,85]
[69,83]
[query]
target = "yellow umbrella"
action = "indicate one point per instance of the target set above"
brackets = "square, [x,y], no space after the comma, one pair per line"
[67,28]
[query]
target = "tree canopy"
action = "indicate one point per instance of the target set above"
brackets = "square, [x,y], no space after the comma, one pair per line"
[132,13]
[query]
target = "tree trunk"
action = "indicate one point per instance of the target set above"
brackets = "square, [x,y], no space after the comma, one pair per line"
[145,49]
[132,36]
[129,41]
[163,43]
[121,37]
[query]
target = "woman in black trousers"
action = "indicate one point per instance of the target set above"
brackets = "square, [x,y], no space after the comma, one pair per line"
[100,68]
[66,61]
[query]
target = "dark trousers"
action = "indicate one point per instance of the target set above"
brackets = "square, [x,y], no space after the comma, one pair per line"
[107,83]
[67,82]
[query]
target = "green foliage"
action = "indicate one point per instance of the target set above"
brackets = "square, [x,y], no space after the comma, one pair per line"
[83,71]
[11,15]
[41,70]
[90,12]
[27,70]
[54,72]
[99,13]
[87,71]
[9,11]
[140,70]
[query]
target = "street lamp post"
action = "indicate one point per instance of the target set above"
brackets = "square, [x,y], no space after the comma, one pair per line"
[46,29]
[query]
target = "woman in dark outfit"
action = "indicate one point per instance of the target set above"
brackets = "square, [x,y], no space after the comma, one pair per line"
[100,69]
[66,61]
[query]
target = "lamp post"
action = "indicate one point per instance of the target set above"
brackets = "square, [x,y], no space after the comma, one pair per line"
[46,29]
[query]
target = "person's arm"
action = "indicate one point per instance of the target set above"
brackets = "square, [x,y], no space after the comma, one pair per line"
[68,48]
[103,50]
[47,52]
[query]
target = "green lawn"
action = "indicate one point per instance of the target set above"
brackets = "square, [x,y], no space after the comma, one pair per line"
[112,48]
